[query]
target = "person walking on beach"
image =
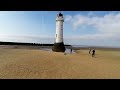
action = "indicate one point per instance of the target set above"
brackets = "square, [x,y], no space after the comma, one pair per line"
[71,50]
[93,52]
[89,50]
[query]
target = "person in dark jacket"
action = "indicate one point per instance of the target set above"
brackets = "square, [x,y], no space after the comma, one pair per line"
[71,50]
[93,52]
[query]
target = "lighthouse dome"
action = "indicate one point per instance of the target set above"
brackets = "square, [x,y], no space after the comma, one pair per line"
[60,14]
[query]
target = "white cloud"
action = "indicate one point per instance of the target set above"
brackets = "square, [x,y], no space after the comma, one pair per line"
[107,26]
[26,38]
[94,37]
[68,18]
[109,23]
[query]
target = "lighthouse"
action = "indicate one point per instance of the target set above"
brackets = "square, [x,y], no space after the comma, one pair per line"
[59,44]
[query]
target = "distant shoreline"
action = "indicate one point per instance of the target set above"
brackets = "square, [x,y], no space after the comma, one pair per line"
[50,47]
[21,45]
[28,44]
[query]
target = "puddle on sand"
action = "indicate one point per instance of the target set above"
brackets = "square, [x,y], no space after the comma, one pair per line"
[67,51]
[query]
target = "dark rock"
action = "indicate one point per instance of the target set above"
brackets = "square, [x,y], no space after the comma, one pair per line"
[58,47]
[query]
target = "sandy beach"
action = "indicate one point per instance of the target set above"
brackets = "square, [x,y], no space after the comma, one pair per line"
[40,64]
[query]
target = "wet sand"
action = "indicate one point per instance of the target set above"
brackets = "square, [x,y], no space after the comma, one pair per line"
[40,64]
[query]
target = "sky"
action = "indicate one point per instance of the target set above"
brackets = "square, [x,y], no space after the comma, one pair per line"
[96,28]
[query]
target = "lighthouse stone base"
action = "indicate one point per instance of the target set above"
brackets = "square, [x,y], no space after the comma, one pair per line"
[58,47]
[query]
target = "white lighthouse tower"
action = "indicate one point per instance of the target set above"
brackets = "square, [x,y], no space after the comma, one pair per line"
[59,44]
[59,28]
